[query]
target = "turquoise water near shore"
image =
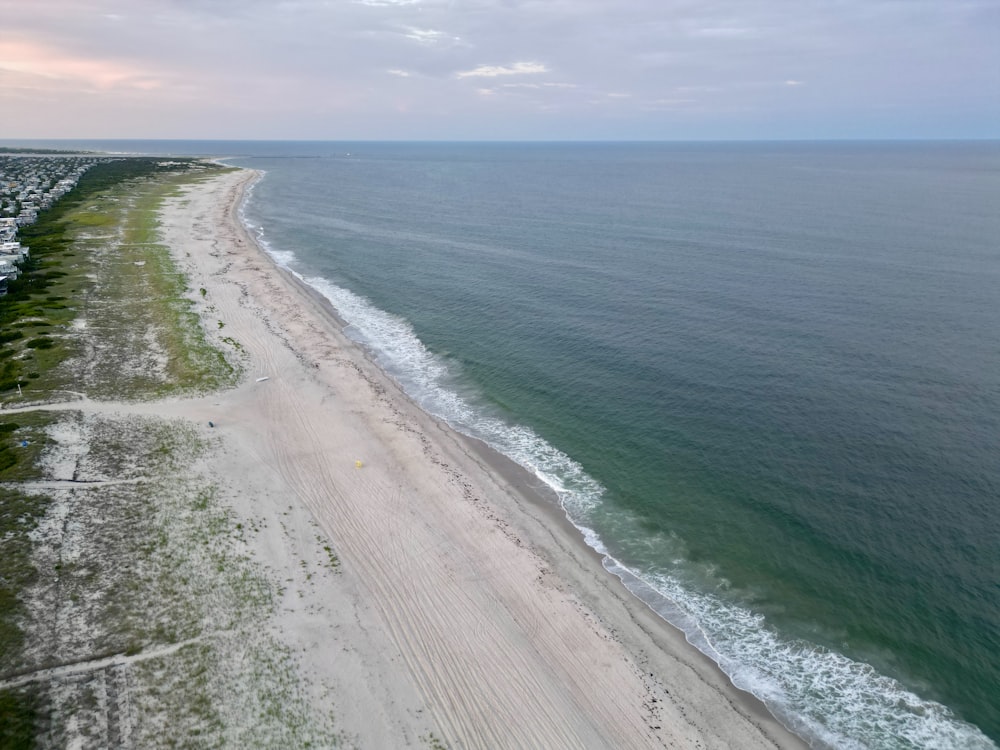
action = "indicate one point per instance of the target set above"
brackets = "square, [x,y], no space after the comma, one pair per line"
[764,379]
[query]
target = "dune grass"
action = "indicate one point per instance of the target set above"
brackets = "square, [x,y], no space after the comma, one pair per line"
[106,229]
[144,558]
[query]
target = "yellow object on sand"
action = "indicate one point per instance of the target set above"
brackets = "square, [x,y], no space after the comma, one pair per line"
[357,464]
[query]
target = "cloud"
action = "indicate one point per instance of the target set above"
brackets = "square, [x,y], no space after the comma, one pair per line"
[723,32]
[697,89]
[424,36]
[659,105]
[492,71]
[53,66]
[335,66]
[539,85]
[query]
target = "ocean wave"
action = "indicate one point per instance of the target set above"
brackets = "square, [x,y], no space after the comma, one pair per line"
[820,694]
[430,381]
[284,258]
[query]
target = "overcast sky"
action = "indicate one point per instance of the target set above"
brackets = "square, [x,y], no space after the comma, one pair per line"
[499,69]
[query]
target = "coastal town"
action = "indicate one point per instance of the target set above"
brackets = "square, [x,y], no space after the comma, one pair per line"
[29,184]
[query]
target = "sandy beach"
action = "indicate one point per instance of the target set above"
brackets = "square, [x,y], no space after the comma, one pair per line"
[429,593]
[464,607]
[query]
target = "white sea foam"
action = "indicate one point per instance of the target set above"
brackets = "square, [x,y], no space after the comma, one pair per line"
[822,695]
[426,379]
[818,693]
[284,258]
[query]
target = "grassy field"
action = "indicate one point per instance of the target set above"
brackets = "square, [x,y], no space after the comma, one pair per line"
[131,610]
[100,305]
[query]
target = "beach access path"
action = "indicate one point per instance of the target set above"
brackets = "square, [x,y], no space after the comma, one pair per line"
[464,612]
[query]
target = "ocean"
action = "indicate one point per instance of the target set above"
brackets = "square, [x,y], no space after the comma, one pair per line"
[763,378]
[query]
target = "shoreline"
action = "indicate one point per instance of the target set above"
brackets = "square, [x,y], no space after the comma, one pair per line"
[676,691]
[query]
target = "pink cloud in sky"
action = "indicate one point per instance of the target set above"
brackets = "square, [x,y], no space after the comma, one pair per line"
[39,66]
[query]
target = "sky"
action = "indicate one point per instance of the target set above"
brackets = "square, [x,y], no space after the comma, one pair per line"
[500,69]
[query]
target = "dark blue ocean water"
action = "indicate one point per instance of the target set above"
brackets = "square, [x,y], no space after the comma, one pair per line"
[764,378]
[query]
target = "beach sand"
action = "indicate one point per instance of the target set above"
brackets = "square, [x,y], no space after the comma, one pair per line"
[464,611]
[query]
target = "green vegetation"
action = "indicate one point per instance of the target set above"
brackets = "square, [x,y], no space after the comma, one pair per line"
[234,343]
[162,563]
[19,517]
[140,555]
[151,305]
[432,741]
[18,716]
[92,219]
[19,514]
[97,253]
[19,463]
[56,285]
